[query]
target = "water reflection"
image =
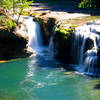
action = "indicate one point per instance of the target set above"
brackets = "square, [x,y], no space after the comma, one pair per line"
[38,78]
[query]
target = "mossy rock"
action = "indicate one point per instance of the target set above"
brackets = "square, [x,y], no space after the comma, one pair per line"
[63,43]
[65,32]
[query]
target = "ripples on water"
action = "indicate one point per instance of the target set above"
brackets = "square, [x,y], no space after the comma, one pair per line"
[39,78]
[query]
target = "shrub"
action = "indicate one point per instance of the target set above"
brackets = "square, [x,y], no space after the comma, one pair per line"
[87,4]
[6,22]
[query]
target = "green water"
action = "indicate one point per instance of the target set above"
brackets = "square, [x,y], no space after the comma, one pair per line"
[39,78]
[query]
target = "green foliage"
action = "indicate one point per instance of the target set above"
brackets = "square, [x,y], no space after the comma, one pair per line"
[24,13]
[87,4]
[24,4]
[6,23]
[7,4]
[12,7]
[15,6]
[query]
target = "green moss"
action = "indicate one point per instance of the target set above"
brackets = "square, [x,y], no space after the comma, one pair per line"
[66,32]
[63,31]
[6,23]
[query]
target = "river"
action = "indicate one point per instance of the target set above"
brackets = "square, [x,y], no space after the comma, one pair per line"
[39,78]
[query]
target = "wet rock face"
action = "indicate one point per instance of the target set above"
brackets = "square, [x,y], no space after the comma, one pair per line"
[98,54]
[62,48]
[88,44]
[13,45]
[48,27]
[63,43]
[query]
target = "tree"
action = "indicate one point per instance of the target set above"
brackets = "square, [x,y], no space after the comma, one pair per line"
[6,4]
[14,6]
[23,4]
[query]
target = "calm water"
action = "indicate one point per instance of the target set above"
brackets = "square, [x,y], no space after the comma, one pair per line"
[39,78]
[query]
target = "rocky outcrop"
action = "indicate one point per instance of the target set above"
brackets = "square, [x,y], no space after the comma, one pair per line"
[62,48]
[13,45]
[63,44]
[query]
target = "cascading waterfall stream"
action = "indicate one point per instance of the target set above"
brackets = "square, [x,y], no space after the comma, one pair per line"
[90,62]
[85,42]
[86,60]
[51,47]
[79,40]
[84,57]
[34,33]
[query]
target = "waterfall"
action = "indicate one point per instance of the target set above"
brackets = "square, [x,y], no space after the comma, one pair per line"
[90,62]
[86,59]
[51,47]
[34,33]
[79,39]
[85,43]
